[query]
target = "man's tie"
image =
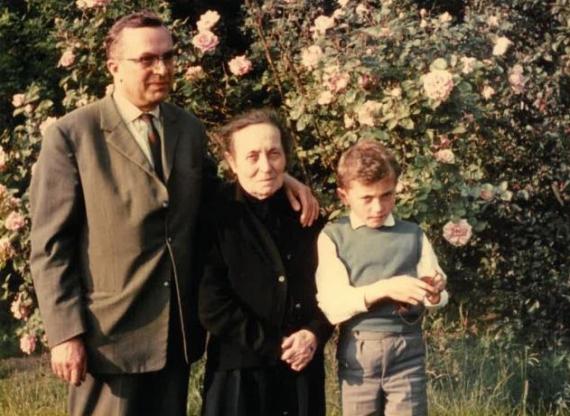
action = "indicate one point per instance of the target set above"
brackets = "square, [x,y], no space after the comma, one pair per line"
[154,143]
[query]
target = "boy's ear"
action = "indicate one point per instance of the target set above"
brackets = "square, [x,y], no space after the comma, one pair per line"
[341,192]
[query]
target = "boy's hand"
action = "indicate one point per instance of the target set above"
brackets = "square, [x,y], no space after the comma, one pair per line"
[438,284]
[405,289]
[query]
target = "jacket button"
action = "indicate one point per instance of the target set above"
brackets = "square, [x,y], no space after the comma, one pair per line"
[281,279]
[169,239]
[297,306]
[166,284]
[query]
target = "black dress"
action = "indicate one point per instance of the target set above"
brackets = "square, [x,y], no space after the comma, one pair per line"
[258,287]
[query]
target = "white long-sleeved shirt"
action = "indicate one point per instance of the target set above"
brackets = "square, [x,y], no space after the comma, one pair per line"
[337,298]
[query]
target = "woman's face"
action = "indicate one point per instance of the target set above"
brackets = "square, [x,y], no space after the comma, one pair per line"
[258,159]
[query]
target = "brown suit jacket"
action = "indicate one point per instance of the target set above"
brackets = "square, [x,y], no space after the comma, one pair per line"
[109,239]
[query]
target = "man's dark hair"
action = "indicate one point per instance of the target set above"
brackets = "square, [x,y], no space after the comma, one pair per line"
[143,18]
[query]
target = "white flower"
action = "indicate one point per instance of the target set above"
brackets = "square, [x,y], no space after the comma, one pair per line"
[445,17]
[501,46]
[468,64]
[311,56]
[207,20]
[240,65]
[438,84]
[322,24]
[487,92]
[366,113]
[445,156]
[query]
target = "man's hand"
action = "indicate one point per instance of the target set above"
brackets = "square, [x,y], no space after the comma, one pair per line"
[405,289]
[298,349]
[301,198]
[69,361]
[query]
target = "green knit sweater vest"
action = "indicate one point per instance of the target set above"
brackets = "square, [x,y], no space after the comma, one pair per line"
[372,254]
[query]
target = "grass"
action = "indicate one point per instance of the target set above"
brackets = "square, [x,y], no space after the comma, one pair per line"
[469,376]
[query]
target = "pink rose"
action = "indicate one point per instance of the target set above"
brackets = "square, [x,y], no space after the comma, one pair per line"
[6,250]
[194,73]
[325,98]
[89,4]
[367,112]
[67,58]
[205,41]
[207,20]
[19,308]
[15,221]
[336,81]
[438,84]
[457,234]
[18,100]
[322,24]
[487,92]
[28,343]
[367,82]
[46,123]
[501,46]
[311,56]
[517,79]
[444,156]
[423,13]
[240,65]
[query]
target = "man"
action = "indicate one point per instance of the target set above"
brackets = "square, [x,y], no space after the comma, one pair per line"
[115,197]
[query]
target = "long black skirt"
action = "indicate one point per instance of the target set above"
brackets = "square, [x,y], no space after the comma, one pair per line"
[268,391]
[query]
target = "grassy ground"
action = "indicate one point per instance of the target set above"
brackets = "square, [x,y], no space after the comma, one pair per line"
[468,377]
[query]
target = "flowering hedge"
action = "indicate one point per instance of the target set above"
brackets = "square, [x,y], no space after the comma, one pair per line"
[475,106]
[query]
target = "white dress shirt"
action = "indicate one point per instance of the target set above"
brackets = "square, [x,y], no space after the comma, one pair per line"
[138,128]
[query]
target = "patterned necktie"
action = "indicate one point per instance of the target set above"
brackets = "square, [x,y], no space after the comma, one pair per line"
[154,143]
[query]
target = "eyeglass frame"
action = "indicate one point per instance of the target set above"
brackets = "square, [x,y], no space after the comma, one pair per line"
[150,61]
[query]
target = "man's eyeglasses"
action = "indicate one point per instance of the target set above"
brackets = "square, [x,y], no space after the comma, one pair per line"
[149,61]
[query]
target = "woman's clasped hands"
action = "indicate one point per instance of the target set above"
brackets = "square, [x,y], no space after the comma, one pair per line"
[298,349]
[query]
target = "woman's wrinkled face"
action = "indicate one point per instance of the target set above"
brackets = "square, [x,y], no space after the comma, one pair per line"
[258,160]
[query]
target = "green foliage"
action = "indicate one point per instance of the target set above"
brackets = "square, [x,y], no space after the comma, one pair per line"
[473,102]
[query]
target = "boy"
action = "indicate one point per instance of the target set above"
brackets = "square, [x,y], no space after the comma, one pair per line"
[367,280]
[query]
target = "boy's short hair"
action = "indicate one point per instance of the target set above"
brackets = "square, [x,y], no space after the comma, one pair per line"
[366,161]
[224,135]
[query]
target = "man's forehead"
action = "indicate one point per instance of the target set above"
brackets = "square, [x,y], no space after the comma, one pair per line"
[132,36]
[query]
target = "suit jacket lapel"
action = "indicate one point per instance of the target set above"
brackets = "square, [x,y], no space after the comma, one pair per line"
[119,137]
[171,136]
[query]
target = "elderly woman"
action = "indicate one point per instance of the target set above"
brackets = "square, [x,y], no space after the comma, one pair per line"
[257,295]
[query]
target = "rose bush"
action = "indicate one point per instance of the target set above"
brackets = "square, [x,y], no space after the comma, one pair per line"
[475,105]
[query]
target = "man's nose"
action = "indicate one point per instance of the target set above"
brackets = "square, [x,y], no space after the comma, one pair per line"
[159,67]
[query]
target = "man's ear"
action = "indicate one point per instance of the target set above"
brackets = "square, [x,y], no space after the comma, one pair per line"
[112,66]
[342,194]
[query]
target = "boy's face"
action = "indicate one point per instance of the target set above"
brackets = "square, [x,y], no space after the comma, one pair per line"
[371,203]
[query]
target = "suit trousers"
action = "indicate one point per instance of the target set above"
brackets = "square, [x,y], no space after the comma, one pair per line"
[382,374]
[162,392]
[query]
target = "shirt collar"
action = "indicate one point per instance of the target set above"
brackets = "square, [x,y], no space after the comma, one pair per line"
[356,222]
[130,112]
